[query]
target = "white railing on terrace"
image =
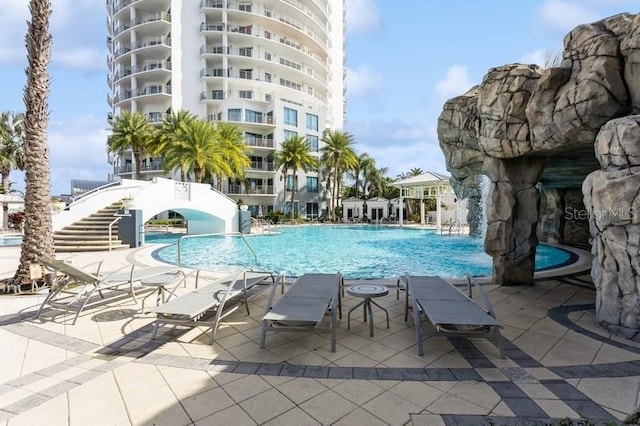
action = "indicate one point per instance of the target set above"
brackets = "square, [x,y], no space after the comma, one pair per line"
[258,32]
[152,66]
[149,90]
[218,95]
[160,16]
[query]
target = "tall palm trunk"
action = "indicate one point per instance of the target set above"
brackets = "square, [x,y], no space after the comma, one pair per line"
[293,193]
[4,185]
[37,240]
[137,154]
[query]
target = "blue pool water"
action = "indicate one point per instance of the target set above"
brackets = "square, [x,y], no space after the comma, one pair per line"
[10,241]
[363,251]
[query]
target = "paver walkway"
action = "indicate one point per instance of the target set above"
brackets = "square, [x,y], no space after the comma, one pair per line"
[107,370]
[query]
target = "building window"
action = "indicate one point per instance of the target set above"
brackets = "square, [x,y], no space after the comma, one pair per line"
[246,73]
[246,94]
[312,184]
[288,182]
[313,143]
[253,116]
[246,51]
[288,134]
[287,207]
[312,122]
[235,115]
[290,117]
[217,94]
[312,211]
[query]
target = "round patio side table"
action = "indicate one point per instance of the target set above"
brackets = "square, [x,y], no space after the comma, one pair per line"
[163,283]
[367,292]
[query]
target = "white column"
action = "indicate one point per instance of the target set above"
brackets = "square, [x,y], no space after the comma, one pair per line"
[401,208]
[422,221]
[438,211]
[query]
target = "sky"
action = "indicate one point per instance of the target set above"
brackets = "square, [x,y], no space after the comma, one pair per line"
[405,58]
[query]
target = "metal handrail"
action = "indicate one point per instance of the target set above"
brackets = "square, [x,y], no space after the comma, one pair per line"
[454,223]
[113,222]
[218,234]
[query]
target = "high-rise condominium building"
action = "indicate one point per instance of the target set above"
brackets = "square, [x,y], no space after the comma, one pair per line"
[273,67]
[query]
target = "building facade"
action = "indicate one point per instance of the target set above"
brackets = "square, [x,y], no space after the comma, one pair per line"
[273,67]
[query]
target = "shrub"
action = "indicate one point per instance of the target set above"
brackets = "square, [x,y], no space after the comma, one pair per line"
[16,220]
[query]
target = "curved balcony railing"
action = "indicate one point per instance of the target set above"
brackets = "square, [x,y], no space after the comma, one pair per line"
[160,16]
[268,35]
[149,90]
[152,66]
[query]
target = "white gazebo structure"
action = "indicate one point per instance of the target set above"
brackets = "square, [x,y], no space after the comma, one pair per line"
[421,187]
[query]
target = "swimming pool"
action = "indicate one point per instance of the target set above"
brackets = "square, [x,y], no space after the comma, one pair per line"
[362,251]
[10,240]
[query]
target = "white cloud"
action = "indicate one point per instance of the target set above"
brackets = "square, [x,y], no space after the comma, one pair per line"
[536,57]
[80,58]
[398,160]
[362,16]
[399,145]
[73,26]
[362,81]
[455,83]
[564,15]
[77,150]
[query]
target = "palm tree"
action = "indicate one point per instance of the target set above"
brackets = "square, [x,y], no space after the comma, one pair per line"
[169,138]
[233,150]
[355,172]
[198,151]
[131,130]
[37,240]
[294,154]
[337,157]
[11,146]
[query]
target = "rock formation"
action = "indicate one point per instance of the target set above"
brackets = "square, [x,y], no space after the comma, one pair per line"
[531,129]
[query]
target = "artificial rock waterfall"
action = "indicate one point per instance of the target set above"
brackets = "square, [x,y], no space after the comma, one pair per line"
[561,147]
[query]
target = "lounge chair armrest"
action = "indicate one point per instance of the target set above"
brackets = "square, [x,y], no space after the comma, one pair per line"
[485,298]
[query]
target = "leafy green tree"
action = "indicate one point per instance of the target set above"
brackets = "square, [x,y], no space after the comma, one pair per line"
[294,154]
[37,239]
[11,146]
[337,156]
[234,152]
[169,139]
[132,130]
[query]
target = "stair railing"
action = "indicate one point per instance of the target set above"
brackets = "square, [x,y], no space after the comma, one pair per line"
[113,222]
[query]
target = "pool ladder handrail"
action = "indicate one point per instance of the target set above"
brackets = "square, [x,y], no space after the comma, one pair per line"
[217,234]
[450,224]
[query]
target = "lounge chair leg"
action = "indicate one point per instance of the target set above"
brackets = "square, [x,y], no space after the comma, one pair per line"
[263,334]
[498,341]
[155,330]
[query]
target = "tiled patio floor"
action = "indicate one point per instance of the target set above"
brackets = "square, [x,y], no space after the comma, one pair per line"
[106,369]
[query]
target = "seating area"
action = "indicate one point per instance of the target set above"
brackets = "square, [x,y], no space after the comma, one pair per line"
[202,367]
[449,311]
[216,296]
[304,306]
[73,288]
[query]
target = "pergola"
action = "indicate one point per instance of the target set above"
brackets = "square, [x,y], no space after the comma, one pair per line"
[421,187]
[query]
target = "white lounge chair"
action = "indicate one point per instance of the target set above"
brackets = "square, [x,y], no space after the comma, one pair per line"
[450,311]
[304,306]
[75,288]
[188,310]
